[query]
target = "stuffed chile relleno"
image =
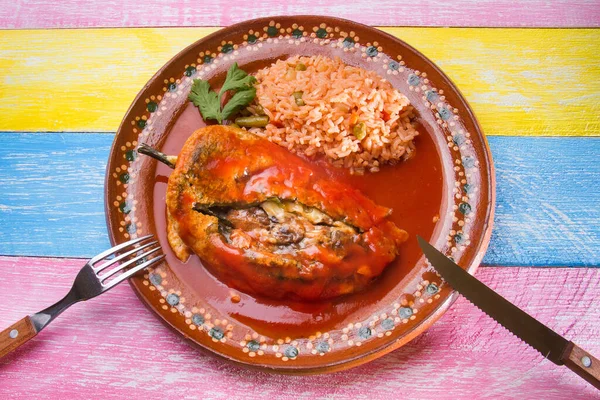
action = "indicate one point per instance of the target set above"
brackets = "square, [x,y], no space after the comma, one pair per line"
[266,222]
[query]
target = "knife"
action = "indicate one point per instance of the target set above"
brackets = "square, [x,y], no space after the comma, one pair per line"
[552,345]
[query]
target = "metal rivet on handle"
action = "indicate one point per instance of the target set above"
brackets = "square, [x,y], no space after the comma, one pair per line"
[13,334]
[586,361]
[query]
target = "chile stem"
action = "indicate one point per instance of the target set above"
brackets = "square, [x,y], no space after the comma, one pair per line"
[162,157]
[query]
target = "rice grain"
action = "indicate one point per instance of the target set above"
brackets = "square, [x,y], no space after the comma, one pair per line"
[336,97]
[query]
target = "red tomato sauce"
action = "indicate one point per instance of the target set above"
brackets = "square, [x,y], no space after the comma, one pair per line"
[412,189]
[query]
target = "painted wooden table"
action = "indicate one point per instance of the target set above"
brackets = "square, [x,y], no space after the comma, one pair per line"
[536,92]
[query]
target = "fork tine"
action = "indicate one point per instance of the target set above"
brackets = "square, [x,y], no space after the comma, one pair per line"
[127,264]
[133,271]
[116,248]
[122,256]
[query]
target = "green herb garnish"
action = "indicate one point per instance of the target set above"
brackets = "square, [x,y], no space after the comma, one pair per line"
[206,100]
[209,102]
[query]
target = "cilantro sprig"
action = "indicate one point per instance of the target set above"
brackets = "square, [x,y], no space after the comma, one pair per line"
[209,102]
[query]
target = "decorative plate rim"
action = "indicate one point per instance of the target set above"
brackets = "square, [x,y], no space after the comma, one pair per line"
[385,346]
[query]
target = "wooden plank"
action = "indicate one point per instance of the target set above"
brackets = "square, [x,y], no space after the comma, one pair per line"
[113,347]
[118,13]
[87,81]
[519,81]
[547,207]
[548,201]
[52,199]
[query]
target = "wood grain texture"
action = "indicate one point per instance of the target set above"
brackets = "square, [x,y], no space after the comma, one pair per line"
[16,335]
[547,198]
[122,13]
[518,81]
[585,365]
[548,201]
[113,347]
[53,194]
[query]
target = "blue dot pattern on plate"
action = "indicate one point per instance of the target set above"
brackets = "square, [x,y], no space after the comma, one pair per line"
[155,279]
[458,139]
[189,71]
[227,48]
[458,238]
[141,261]
[432,288]
[464,208]
[197,319]
[173,299]
[172,87]
[322,347]
[131,155]
[124,177]
[252,39]
[364,332]
[131,228]
[272,31]
[431,96]
[444,113]
[413,80]
[468,162]
[296,33]
[216,333]
[291,352]
[348,42]
[467,188]
[152,106]
[207,59]
[253,345]
[372,51]
[405,312]
[394,66]
[125,207]
[387,324]
[321,33]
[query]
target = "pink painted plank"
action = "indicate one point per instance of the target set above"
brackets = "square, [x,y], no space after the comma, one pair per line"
[112,347]
[121,13]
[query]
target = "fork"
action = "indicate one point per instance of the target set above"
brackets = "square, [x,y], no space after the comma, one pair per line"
[90,282]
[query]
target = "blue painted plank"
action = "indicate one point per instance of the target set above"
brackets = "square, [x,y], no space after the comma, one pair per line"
[52,201]
[548,209]
[548,201]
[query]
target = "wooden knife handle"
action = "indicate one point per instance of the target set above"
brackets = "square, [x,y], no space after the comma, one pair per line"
[583,364]
[16,335]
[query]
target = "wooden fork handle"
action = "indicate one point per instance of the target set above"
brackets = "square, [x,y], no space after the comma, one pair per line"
[16,335]
[583,364]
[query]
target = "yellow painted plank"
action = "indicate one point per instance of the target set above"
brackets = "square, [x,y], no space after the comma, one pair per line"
[82,79]
[519,81]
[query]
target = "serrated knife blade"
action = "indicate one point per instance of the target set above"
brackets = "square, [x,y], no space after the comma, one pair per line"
[549,343]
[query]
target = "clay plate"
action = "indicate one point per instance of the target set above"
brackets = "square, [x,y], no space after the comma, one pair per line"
[445,194]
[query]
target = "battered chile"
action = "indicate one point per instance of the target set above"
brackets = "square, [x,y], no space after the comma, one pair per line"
[272,224]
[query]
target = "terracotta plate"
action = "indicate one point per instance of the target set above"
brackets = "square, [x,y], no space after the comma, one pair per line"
[445,193]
